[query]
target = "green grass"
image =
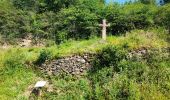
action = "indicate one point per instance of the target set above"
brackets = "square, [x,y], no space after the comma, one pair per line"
[14,86]
[17,72]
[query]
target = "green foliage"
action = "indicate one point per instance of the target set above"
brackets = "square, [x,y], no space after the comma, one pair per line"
[16,24]
[56,5]
[62,20]
[148,1]
[162,17]
[25,4]
[128,17]
[15,75]
[12,21]
[121,88]
[167,1]
[118,21]
[112,75]
[134,70]
[42,26]
[133,80]
[76,23]
[67,87]
[140,15]
[14,61]
[109,56]
[44,55]
[127,79]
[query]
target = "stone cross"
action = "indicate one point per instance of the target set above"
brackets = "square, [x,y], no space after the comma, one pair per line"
[104,26]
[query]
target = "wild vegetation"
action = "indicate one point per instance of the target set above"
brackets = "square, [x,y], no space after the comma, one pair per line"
[72,27]
[62,20]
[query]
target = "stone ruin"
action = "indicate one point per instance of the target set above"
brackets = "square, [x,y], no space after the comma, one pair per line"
[78,64]
[143,53]
[74,65]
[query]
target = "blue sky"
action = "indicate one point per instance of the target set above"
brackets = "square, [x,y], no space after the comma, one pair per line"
[120,1]
[123,1]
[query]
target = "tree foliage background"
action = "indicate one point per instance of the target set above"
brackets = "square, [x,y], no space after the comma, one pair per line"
[61,20]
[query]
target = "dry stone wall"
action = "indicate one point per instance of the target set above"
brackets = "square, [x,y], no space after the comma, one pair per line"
[78,64]
[75,65]
[144,53]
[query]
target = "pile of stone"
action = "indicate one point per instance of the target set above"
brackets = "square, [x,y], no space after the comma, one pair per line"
[75,65]
[137,54]
[143,53]
[78,64]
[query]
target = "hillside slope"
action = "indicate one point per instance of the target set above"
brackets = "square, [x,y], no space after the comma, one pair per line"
[113,75]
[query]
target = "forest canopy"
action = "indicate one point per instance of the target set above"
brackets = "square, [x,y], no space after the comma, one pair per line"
[61,20]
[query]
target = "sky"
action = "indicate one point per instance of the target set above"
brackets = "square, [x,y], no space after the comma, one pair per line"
[120,1]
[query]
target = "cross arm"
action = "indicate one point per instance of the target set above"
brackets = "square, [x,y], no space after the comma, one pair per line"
[100,24]
[108,25]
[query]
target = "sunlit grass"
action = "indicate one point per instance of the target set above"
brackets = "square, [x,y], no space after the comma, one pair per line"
[11,86]
[139,38]
[18,79]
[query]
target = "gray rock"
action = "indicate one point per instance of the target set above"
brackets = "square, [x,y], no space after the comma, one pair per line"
[74,65]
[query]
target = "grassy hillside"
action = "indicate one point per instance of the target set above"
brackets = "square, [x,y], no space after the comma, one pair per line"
[147,79]
[132,64]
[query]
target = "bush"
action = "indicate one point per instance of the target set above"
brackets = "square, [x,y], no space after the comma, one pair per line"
[117,19]
[69,88]
[42,26]
[44,55]
[109,56]
[14,60]
[75,23]
[162,17]
[134,80]
[134,70]
[121,88]
[25,4]
[13,23]
[71,19]
[129,16]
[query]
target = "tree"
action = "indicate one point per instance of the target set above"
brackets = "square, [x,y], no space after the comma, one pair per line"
[162,17]
[166,1]
[25,4]
[56,5]
[148,1]
[128,17]
[13,23]
[79,21]
[42,26]
[75,23]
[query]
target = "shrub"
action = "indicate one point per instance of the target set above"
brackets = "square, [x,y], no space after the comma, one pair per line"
[68,89]
[42,25]
[75,23]
[99,77]
[134,70]
[12,22]
[14,60]
[122,88]
[25,4]
[109,56]
[44,55]
[117,19]
[129,16]
[70,19]
[162,17]
[135,80]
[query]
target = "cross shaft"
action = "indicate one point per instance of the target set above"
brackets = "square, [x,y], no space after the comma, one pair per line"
[104,26]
